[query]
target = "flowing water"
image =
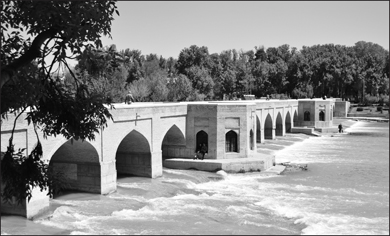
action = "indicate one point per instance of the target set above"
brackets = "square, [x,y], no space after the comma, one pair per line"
[344,191]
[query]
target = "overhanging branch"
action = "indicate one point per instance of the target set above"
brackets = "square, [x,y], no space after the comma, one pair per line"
[33,52]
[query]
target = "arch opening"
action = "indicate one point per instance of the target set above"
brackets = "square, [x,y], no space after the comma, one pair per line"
[288,123]
[268,127]
[295,119]
[258,130]
[279,125]
[75,166]
[322,116]
[231,141]
[202,138]
[173,144]
[133,156]
[251,140]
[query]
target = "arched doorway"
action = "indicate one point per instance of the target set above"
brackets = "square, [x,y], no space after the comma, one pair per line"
[231,141]
[268,127]
[202,137]
[251,140]
[133,155]
[75,166]
[258,130]
[288,123]
[279,125]
[322,116]
[172,143]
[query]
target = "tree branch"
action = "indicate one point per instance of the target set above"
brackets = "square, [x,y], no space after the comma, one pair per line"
[33,52]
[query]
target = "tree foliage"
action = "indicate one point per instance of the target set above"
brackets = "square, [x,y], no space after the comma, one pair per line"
[331,70]
[33,32]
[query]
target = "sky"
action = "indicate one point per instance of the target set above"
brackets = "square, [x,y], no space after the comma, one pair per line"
[167,27]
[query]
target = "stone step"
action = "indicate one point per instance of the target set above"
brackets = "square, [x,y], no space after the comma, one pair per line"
[277,169]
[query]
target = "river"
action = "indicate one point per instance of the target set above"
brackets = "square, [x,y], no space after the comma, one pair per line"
[344,191]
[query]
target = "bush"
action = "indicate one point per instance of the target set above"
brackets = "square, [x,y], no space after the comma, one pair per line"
[359,109]
[368,99]
[384,100]
[279,96]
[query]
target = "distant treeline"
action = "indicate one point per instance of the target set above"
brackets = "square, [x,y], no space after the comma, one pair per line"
[359,73]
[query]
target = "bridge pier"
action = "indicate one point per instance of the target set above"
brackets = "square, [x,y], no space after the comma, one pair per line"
[157,164]
[262,136]
[108,177]
[38,205]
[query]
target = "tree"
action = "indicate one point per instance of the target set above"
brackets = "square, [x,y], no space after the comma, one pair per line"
[180,88]
[106,72]
[53,28]
[192,56]
[140,90]
[201,82]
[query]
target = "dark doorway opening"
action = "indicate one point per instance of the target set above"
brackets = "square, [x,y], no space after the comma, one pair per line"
[202,137]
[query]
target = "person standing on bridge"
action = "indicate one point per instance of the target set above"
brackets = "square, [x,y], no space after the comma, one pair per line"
[129,98]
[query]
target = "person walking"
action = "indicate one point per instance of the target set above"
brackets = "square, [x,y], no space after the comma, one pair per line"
[341,128]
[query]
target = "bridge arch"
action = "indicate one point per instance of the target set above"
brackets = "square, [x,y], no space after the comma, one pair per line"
[287,122]
[279,125]
[251,140]
[173,143]
[258,130]
[268,127]
[76,165]
[133,156]
[295,118]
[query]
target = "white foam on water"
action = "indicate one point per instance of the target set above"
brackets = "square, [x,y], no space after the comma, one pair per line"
[179,172]
[144,186]
[81,233]
[155,209]
[344,224]
[350,191]
[222,173]
[318,222]
[67,218]
[246,222]
[127,197]
[299,153]
[187,183]
[191,196]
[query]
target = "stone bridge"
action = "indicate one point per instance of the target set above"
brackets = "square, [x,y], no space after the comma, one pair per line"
[142,135]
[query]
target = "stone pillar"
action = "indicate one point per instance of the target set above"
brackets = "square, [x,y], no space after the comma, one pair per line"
[156,164]
[262,135]
[273,132]
[108,177]
[38,204]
